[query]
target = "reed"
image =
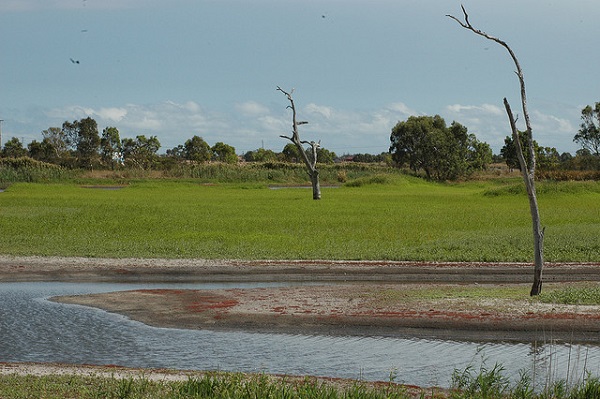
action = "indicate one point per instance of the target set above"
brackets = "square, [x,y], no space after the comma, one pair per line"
[491,383]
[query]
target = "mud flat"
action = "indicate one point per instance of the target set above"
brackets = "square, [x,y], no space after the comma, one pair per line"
[344,298]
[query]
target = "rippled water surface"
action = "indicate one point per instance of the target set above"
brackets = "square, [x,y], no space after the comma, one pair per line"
[34,329]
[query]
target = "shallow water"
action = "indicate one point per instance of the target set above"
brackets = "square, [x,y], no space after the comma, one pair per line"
[34,329]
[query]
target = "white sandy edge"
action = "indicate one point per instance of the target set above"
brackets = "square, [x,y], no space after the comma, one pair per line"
[117,372]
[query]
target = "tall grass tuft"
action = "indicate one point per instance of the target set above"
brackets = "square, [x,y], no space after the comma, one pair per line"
[483,384]
[492,384]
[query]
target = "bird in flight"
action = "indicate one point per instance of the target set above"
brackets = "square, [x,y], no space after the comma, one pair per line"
[74,61]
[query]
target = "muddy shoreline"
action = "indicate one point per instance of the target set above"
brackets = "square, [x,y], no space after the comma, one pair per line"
[77,269]
[341,299]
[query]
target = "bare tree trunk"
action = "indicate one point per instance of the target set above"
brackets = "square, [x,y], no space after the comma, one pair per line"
[529,179]
[528,171]
[311,164]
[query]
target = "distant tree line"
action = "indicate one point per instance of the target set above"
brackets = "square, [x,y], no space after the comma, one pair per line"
[424,144]
[79,144]
[587,158]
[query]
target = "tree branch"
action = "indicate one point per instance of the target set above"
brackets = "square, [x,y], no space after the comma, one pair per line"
[467,25]
[527,171]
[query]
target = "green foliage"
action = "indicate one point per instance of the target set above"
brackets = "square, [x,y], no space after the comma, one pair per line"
[444,153]
[82,136]
[272,172]
[573,296]
[225,153]
[196,149]
[509,151]
[29,170]
[363,181]
[260,155]
[13,148]
[111,147]
[589,133]
[547,158]
[141,151]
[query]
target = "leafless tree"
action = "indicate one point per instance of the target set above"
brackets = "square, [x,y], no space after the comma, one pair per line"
[528,171]
[310,162]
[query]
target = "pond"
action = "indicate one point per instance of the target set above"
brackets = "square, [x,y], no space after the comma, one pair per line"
[33,329]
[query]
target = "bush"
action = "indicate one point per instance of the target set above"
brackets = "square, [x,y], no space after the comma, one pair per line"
[568,175]
[26,169]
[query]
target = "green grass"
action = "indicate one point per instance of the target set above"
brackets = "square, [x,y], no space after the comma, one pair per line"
[450,291]
[573,294]
[466,384]
[213,386]
[383,217]
[492,383]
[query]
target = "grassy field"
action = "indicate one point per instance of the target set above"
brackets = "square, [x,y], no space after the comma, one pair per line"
[382,217]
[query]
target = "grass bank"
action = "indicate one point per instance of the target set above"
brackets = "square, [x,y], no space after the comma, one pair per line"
[211,385]
[485,383]
[371,218]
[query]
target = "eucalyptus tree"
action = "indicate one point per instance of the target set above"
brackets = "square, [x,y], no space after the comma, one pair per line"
[141,151]
[55,142]
[589,133]
[196,149]
[82,136]
[111,149]
[527,170]
[442,152]
[309,156]
[224,153]
[13,148]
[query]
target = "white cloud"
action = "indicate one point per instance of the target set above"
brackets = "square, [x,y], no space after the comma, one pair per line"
[484,108]
[113,114]
[552,131]
[252,108]
[490,124]
[402,109]
[250,125]
[319,110]
[551,122]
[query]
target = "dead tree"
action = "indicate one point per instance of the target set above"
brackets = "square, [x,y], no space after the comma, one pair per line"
[528,171]
[310,162]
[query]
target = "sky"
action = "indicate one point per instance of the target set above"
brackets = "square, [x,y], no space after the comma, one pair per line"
[179,68]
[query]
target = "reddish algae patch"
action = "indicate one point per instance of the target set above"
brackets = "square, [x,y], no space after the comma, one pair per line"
[211,303]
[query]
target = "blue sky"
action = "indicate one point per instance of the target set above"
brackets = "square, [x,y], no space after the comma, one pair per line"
[179,68]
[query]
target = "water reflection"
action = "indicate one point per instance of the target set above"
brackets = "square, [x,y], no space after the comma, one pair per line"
[34,329]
